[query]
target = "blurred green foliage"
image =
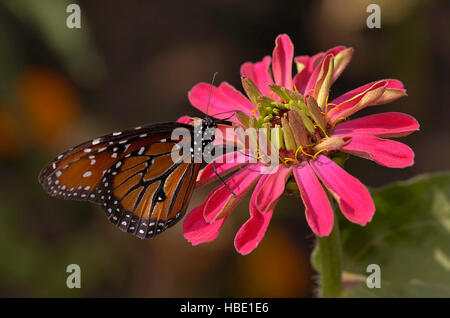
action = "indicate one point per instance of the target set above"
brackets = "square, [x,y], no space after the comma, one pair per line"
[408,239]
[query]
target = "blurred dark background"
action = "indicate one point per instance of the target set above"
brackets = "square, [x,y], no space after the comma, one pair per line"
[133,62]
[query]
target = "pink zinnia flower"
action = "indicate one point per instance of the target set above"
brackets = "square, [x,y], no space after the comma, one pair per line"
[314,132]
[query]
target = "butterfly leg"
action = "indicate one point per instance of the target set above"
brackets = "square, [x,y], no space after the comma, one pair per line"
[221,179]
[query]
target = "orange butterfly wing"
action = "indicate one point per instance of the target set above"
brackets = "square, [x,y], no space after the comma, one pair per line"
[131,174]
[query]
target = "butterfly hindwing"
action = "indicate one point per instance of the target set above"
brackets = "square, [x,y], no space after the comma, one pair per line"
[131,174]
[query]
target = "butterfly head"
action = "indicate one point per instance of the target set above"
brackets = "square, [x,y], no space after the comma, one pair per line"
[208,128]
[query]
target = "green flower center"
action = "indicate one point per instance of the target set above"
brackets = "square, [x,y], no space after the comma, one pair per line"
[294,124]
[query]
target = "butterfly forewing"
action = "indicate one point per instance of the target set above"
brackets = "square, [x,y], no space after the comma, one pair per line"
[131,174]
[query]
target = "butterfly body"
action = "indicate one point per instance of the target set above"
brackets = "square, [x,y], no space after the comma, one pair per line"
[132,175]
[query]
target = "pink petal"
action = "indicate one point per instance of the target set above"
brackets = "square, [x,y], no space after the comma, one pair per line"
[252,232]
[196,230]
[336,50]
[236,97]
[309,89]
[185,120]
[393,89]
[269,189]
[385,152]
[282,61]
[319,59]
[221,201]
[354,200]
[359,101]
[227,163]
[340,64]
[218,104]
[309,63]
[259,74]
[318,211]
[382,125]
[390,83]
[227,135]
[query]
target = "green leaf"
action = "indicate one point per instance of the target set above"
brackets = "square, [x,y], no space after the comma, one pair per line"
[408,238]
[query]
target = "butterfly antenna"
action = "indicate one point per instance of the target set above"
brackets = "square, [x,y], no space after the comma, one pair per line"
[210,91]
[213,163]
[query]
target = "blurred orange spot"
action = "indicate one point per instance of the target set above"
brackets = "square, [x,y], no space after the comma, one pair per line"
[278,267]
[9,132]
[50,102]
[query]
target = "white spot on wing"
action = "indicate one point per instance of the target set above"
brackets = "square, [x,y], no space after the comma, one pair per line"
[87,174]
[96,141]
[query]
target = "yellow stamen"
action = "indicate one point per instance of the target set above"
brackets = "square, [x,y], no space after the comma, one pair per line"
[312,89]
[337,120]
[326,104]
[326,109]
[332,104]
[286,160]
[321,150]
[305,153]
[322,130]
[259,157]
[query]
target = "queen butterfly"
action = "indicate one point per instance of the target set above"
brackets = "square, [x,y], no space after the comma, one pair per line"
[131,174]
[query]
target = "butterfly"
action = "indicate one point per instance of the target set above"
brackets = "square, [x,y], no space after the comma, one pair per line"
[132,175]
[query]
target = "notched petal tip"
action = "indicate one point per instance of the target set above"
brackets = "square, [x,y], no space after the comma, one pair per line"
[196,230]
[252,232]
[352,196]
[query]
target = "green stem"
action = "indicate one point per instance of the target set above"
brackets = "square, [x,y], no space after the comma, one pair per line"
[329,258]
